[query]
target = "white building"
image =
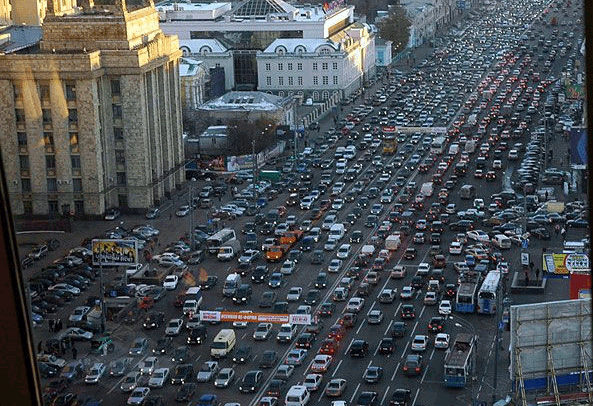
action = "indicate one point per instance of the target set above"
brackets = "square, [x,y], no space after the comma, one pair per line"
[212,53]
[427,17]
[194,79]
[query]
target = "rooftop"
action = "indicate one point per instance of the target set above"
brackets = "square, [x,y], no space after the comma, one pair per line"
[17,37]
[244,101]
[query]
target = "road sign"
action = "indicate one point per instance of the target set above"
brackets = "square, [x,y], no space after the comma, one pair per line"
[525,244]
[525,258]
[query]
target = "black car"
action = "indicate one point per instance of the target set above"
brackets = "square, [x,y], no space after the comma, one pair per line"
[305,340]
[410,253]
[242,355]
[153,320]
[321,280]
[367,398]
[181,355]
[186,392]
[259,274]
[268,359]
[197,335]
[356,236]
[387,346]
[413,365]
[242,294]
[417,282]
[163,346]
[276,388]
[359,348]
[182,373]
[312,297]
[450,290]
[436,324]
[251,381]
[47,371]
[408,312]
[398,329]
[401,397]
[154,400]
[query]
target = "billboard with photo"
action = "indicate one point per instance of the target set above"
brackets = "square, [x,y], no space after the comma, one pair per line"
[578,146]
[114,252]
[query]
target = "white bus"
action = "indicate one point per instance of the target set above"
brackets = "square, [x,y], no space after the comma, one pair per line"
[220,239]
[437,147]
[487,293]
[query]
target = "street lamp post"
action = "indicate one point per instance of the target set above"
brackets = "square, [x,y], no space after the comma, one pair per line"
[191,215]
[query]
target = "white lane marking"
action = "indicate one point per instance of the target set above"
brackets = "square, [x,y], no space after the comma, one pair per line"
[337,367]
[416,397]
[385,395]
[118,383]
[354,394]
[388,327]
[395,371]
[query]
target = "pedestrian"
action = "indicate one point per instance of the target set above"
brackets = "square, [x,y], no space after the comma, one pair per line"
[526,277]
[74,352]
[51,325]
[557,229]
[59,324]
[219,198]
[40,347]
[537,274]
[531,265]
[563,232]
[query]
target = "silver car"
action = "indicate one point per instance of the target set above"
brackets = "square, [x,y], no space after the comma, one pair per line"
[225,377]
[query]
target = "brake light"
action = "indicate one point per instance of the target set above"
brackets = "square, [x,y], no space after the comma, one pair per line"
[405,368]
[417,369]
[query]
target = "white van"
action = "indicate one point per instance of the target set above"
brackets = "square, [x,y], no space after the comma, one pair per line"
[502,241]
[337,232]
[231,284]
[223,344]
[298,395]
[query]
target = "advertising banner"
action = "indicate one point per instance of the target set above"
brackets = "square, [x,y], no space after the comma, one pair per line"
[207,315]
[563,264]
[578,146]
[114,252]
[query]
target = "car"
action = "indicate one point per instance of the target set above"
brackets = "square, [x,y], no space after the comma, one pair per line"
[112,214]
[268,359]
[268,299]
[359,348]
[275,390]
[180,355]
[335,387]
[159,378]
[265,401]
[152,213]
[386,346]
[445,307]
[79,314]
[408,312]
[348,320]
[375,317]
[251,381]
[455,248]
[478,235]
[130,381]
[356,236]
[335,265]
[138,396]
[327,309]
[284,372]
[96,372]
[186,392]
[170,282]
[367,398]
[312,382]
[208,399]
[410,253]
[174,327]
[183,211]
[413,365]
[249,256]
[312,297]
[430,298]
[355,305]
[441,341]
[276,280]
[321,280]
[73,290]
[401,397]
[76,334]
[387,296]
[294,294]
[296,357]
[329,346]
[372,374]
[242,354]
[225,378]
[321,363]
[207,371]
[262,331]
[119,367]
[148,366]
[419,343]
[406,293]
[398,329]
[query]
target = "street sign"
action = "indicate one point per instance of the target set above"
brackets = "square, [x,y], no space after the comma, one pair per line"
[525,258]
[525,244]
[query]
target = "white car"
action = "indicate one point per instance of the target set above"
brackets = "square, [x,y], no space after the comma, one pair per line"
[224,378]
[445,307]
[456,248]
[76,333]
[262,331]
[171,282]
[65,287]
[287,267]
[355,305]
[207,371]
[138,396]
[441,341]
[423,269]
[183,211]
[419,343]
[344,251]
[95,373]
[335,265]
[159,378]
[321,363]
[291,220]
[131,270]
[430,298]
[174,327]
[249,257]
[337,204]
[478,235]
[148,366]
[78,314]
[312,382]
[294,294]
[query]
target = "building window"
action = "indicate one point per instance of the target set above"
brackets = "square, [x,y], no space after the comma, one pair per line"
[325,66]
[280,66]
[280,81]
[268,80]
[335,65]
[300,80]
[52,206]
[22,139]
[25,185]
[268,66]
[75,161]
[72,116]
[115,87]
[335,80]
[118,133]
[121,178]
[325,80]
[70,91]
[52,185]
[18,95]
[44,91]
[19,116]
[24,162]
[116,112]
[315,66]
[73,141]
[48,141]
[27,207]
[290,66]
[78,207]
[120,157]
[315,80]
[46,113]
[290,81]
[299,66]
[50,162]
[77,184]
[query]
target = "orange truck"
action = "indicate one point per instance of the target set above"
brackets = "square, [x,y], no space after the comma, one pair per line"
[286,242]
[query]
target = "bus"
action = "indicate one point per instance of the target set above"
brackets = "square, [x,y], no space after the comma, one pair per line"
[466,297]
[460,361]
[487,293]
[221,238]
[437,147]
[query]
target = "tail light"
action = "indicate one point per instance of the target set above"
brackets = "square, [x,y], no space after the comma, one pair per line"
[405,368]
[417,369]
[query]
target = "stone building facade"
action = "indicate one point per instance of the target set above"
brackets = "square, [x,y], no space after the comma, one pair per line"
[90,118]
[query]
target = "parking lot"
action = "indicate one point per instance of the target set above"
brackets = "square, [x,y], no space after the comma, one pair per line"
[492,86]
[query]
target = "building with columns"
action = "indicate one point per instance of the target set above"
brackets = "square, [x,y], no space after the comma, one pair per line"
[90,117]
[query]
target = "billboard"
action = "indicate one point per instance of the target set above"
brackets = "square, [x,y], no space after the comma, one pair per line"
[563,264]
[115,252]
[580,285]
[578,146]
[208,315]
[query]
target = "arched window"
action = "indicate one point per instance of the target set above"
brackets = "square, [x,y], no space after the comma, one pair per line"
[316,95]
[205,50]
[325,95]
[281,93]
[299,49]
[185,51]
[280,50]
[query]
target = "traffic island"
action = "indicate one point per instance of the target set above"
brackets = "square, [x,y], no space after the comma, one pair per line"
[530,286]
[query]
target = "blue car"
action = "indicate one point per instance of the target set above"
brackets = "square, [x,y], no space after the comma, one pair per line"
[208,400]
[470,260]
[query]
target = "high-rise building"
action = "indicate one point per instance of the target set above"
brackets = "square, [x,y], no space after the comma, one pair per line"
[90,117]
[32,12]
